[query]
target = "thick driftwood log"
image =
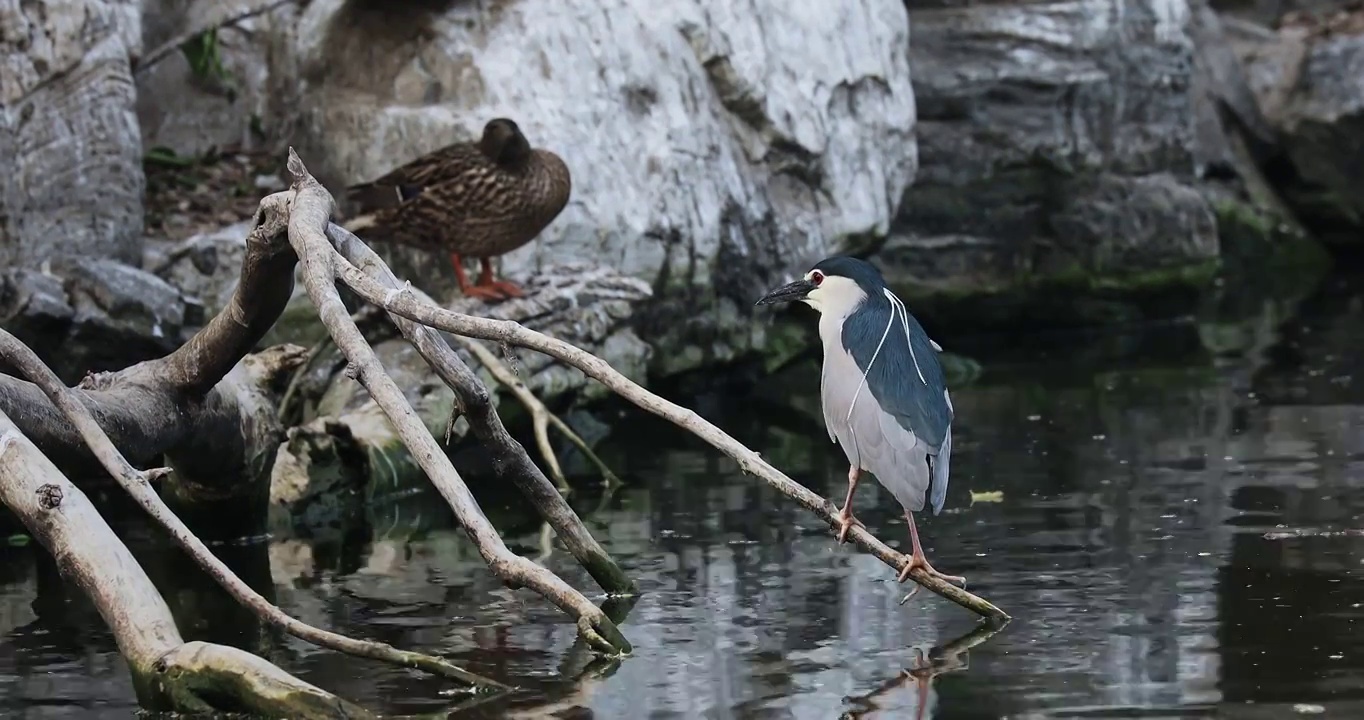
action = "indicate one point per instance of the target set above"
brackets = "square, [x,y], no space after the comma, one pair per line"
[237,422]
[138,484]
[308,221]
[404,302]
[151,407]
[168,673]
[509,459]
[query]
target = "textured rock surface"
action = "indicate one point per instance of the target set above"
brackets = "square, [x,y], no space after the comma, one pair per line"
[89,314]
[1056,139]
[1307,77]
[190,112]
[68,134]
[207,266]
[713,144]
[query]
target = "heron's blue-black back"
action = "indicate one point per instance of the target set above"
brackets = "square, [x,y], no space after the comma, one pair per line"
[909,385]
[905,378]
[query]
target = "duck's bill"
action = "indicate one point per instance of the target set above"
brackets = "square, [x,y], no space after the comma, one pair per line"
[789,292]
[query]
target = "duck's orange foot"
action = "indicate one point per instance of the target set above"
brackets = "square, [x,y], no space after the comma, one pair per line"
[507,288]
[495,291]
[486,293]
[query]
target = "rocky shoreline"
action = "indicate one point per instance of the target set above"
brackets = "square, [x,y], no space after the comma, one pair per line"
[1045,163]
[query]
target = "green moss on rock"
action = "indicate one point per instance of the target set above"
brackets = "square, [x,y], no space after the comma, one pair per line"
[1067,297]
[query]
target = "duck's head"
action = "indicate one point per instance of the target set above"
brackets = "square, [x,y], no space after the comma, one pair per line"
[503,142]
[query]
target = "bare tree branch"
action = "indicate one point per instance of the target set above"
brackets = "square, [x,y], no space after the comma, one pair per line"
[150,407]
[405,303]
[509,458]
[262,292]
[541,417]
[162,51]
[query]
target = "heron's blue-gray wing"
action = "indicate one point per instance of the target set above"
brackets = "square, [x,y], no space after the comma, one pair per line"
[906,380]
[872,438]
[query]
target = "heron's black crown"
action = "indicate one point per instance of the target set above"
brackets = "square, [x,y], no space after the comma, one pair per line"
[859,271]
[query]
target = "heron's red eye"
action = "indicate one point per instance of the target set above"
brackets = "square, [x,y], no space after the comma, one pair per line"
[816,277]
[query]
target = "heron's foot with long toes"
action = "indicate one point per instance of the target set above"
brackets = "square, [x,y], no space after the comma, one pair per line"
[846,521]
[917,560]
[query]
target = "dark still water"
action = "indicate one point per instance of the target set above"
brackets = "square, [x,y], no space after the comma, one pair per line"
[1176,530]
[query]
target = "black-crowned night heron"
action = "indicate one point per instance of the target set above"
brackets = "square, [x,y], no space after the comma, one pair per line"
[885,401]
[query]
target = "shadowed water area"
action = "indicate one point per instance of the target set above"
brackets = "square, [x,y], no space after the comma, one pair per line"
[1172,517]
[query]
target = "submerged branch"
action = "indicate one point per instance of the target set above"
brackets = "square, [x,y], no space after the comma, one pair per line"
[406,303]
[308,224]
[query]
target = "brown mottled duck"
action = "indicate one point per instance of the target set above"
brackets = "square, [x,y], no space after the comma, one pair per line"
[476,199]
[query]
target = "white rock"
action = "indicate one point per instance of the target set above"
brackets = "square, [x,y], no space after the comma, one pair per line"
[715,146]
[710,141]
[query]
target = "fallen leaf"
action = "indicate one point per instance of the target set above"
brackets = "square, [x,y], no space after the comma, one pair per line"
[989,496]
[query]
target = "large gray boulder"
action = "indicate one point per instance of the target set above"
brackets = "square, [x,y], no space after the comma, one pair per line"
[1057,142]
[69,141]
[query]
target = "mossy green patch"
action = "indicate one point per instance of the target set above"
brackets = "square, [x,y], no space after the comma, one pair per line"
[1255,239]
[1070,296]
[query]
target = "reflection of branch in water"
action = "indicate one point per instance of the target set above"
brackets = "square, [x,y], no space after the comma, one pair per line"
[941,659]
[579,674]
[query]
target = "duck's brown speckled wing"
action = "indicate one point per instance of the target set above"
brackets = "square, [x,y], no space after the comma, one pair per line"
[407,181]
[457,200]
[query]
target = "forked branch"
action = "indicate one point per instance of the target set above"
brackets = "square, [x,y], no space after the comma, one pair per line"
[175,675]
[308,224]
[540,416]
[509,458]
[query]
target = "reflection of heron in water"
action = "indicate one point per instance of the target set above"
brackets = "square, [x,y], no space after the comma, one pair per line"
[940,660]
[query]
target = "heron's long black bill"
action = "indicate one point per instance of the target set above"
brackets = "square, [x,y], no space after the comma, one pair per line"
[788,293]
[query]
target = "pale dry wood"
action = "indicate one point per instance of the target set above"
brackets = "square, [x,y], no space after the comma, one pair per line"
[404,302]
[138,484]
[308,224]
[540,416]
[473,400]
[171,674]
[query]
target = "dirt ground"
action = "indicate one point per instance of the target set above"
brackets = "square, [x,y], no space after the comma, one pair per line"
[186,196]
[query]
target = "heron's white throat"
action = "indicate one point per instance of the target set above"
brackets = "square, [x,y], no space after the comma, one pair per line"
[835,297]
